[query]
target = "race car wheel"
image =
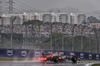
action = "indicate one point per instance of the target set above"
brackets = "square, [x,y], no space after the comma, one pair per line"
[74,59]
[55,59]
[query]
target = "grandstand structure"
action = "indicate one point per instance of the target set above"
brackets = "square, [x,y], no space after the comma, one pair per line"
[45,29]
[63,24]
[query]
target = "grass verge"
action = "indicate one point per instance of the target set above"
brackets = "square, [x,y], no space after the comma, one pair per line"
[96,65]
[90,60]
[16,59]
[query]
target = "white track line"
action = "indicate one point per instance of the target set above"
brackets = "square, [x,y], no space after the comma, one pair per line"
[89,64]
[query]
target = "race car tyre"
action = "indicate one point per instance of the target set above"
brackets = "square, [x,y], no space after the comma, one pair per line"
[55,59]
[74,59]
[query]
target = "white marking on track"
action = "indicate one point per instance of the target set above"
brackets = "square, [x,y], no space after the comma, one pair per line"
[89,64]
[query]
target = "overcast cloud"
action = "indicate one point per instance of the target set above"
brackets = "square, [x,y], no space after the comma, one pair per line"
[82,5]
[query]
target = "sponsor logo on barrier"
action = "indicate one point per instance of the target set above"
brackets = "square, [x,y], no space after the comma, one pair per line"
[71,54]
[37,53]
[23,53]
[62,53]
[9,52]
[97,56]
[50,52]
[81,55]
[90,56]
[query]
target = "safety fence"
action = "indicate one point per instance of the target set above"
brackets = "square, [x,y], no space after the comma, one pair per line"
[24,53]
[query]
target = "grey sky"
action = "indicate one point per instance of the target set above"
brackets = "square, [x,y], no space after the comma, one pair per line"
[82,5]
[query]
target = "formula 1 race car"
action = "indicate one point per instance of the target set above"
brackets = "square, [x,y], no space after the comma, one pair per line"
[57,57]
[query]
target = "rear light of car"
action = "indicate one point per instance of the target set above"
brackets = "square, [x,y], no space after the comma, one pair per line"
[43,58]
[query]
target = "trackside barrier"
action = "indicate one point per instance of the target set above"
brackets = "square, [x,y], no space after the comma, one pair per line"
[37,53]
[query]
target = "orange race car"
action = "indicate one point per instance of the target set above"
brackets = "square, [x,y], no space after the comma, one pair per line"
[56,57]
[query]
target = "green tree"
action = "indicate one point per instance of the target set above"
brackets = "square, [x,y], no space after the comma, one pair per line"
[92,19]
[84,22]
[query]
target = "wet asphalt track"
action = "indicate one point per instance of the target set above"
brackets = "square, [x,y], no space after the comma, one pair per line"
[38,63]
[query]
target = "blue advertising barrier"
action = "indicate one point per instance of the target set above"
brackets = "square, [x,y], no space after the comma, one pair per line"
[37,53]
